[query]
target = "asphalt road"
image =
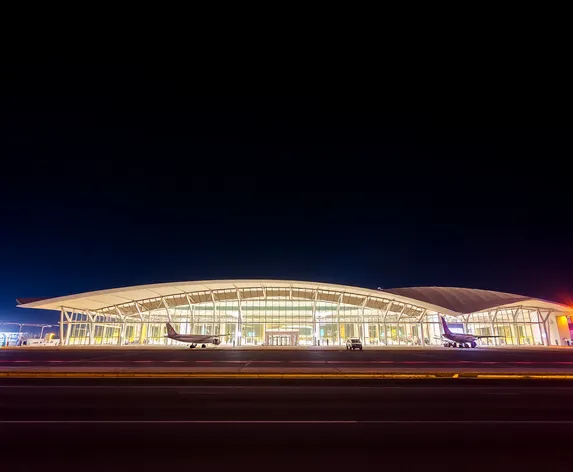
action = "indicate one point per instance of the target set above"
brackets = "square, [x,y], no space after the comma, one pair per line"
[150,425]
[491,359]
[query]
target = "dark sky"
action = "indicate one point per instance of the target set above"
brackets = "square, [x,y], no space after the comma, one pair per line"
[115,176]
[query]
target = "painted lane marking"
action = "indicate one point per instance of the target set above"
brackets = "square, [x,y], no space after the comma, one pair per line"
[282,375]
[418,422]
[325,362]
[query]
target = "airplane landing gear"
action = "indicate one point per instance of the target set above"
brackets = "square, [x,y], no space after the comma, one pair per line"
[204,346]
[474,344]
[192,346]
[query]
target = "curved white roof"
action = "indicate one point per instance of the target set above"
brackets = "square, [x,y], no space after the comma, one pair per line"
[465,300]
[446,300]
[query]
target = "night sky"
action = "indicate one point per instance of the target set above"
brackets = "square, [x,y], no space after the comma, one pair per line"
[114,176]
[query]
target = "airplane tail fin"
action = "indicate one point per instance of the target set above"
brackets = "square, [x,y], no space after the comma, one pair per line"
[170,330]
[445,326]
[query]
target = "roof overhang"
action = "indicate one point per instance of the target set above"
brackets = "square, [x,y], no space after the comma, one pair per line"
[98,300]
[105,298]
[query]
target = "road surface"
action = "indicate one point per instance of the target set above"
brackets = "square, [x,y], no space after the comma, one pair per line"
[241,425]
[272,360]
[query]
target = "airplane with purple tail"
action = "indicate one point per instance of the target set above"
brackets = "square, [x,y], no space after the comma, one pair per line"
[459,340]
[194,339]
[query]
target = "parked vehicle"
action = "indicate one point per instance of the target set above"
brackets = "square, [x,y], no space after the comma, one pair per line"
[353,343]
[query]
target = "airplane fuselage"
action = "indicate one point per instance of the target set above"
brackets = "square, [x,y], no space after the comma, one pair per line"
[193,339]
[460,338]
[457,339]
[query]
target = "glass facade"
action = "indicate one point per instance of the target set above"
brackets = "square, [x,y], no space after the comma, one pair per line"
[292,316]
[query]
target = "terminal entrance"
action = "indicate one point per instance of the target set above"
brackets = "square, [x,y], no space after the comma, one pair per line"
[281,338]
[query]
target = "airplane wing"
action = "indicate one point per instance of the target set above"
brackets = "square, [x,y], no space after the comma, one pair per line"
[477,336]
[201,337]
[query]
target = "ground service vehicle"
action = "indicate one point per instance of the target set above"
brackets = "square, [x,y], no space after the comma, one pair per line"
[353,343]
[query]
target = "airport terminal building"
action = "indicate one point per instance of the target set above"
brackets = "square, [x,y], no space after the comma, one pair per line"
[276,312]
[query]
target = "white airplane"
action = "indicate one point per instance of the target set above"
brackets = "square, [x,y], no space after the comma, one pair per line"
[459,340]
[194,339]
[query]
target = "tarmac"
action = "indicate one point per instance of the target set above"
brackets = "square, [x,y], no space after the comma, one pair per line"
[407,408]
[240,424]
[292,362]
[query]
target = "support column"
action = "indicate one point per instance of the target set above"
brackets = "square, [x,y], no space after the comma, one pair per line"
[192,328]
[142,332]
[545,322]
[547,333]
[365,334]
[142,326]
[339,338]
[92,332]
[215,327]
[90,325]
[492,322]
[398,324]
[122,333]
[239,335]
[166,309]
[315,330]
[515,328]
[547,329]
[422,334]
[62,326]
[189,319]
[384,323]
[69,330]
